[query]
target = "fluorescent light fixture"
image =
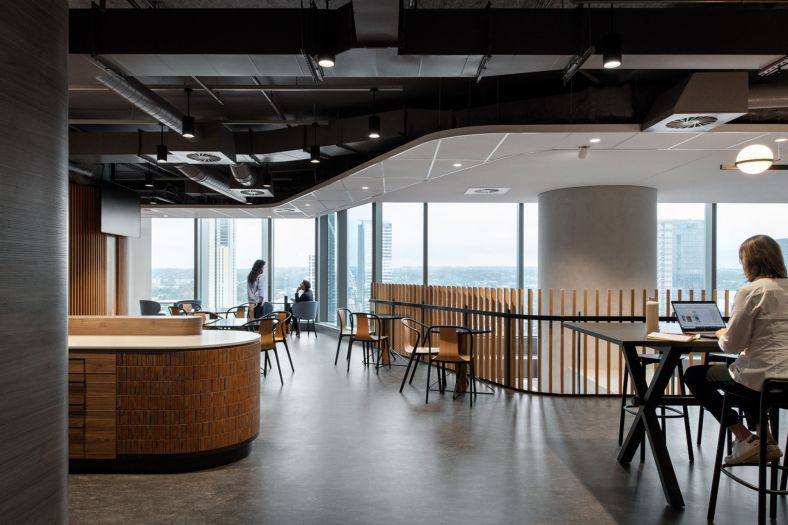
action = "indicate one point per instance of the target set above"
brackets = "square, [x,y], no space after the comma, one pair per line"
[754,159]
[326,60]
[307,205]
[595,140]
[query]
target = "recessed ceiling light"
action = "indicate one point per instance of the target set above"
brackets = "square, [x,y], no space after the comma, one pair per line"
[594,140]
[166,216]
[364,187]
[486,191]
[781,139]
[457,164]
[307,205]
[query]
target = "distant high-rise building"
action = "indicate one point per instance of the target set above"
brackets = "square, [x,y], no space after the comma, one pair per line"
[386,272]
[218,262]
[312,270]
[331,293]
[681,254]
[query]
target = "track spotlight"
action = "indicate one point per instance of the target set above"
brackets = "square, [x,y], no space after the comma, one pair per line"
[187,123]
[326,59]
[314,156]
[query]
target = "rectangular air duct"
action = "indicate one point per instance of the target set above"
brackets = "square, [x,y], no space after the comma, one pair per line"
[700,103]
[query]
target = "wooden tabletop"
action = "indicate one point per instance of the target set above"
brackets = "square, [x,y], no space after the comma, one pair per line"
[634,334]
[208,339]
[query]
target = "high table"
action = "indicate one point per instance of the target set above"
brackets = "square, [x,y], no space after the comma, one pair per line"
[630,336]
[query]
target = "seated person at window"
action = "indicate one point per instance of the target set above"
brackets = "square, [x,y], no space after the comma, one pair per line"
[758,332]
[305,289]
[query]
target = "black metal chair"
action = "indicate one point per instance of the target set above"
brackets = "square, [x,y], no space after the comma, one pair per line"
[189,305]
[448,351]
[345,321]
[280,335]
[239,312]
[774,397]
[415,335]
[667,412]
[176,310]
[266,326]
[366,332]
[148,307]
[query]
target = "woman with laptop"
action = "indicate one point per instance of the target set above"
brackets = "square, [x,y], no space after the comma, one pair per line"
[758,333]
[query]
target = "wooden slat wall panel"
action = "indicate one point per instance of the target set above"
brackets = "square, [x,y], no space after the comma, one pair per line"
[534,364]
[122,277]
[87,252]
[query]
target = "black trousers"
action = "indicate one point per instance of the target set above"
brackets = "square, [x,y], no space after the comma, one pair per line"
[705,382]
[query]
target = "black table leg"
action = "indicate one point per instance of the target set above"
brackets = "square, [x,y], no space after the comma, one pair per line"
[646,422]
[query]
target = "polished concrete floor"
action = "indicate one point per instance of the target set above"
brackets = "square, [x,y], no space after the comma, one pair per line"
[348,448]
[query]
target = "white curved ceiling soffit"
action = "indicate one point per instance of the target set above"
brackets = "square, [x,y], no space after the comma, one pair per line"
[528,160]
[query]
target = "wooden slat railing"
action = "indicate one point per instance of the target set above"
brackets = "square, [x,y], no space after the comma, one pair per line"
[528,348]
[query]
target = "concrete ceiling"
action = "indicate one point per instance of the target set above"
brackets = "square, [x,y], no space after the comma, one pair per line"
[684,167]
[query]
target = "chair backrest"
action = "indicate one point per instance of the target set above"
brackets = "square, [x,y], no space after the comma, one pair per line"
[268,308]
[239,312]
[449,340]
[176,310]
[345,318]
[281,326]
[414,333]
[149,307]
[366,324]
[250,310]
[306,310]
[200,314]
[266,329]
[189,305]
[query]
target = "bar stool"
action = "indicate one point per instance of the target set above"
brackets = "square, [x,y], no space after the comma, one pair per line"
[654,359]
[714,357]
[774,397]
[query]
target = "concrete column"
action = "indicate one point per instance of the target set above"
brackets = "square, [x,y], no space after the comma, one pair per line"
[598,237]
[594,238]
[33,258]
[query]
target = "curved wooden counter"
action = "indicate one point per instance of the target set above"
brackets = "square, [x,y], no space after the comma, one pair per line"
[162,402]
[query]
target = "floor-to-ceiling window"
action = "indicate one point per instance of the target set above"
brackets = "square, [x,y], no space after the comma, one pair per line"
[227,249]
[331,267]
[294,256]
[530,245]
[172,259]
[737,222]
[473,244]
[359,257]
[681,248]
[402,242]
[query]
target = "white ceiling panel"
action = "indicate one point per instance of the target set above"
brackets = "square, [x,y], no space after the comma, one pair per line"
[651,141]
[469,147]
[519,143]
[442,168]
[717,141]
[405,168]
[606,140]
[424,151]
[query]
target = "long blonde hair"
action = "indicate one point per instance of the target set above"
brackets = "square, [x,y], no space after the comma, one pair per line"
[761,256]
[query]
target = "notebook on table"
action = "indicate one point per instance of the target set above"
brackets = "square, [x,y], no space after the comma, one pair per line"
[698,317]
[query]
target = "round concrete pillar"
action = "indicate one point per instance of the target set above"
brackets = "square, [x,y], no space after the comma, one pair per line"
[33,258]
[598,237]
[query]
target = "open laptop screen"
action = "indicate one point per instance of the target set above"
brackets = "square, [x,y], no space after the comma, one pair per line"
[697,316]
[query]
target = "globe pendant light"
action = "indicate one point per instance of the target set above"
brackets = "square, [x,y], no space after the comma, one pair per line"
[187,124]
[161,149]
[754,159]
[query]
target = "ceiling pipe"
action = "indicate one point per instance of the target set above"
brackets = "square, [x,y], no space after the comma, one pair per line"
[768,96]
[209,180]
[244,174]
[143,98]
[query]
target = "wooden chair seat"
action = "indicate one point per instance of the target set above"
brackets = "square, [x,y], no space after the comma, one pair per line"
[371,338]
[452,358]
[420,350]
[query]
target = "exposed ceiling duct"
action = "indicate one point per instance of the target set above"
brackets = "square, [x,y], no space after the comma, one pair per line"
[700,103]
[143,98]
[209,180]
[244,174]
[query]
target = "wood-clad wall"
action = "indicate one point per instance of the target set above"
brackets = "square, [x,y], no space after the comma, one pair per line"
[87,252]
[122,277]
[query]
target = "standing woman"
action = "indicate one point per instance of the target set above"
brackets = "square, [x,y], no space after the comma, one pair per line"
[758,332]
[255,287]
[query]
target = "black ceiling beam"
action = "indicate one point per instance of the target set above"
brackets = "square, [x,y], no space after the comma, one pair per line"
[210,31]
[661,31]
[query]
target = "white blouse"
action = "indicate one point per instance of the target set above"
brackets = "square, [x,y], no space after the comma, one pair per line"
[758,332]
[255,292]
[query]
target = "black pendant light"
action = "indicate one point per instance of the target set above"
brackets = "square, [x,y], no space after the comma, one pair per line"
[187,124]
[314,151]
[325,59]
[161,149]
[611,47]
[149,178]
[374,120]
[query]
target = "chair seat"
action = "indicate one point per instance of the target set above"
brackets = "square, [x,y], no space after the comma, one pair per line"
[452,359]
[420,350]
[372,338]
[346,331]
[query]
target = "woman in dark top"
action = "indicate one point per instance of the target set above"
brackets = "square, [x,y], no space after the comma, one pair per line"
[305,289]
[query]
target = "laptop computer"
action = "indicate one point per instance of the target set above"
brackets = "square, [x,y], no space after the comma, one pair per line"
[698,317]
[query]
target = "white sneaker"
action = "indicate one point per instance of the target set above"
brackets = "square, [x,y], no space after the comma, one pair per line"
[743,451]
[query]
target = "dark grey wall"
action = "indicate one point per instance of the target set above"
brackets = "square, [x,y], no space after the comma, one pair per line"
[33,258]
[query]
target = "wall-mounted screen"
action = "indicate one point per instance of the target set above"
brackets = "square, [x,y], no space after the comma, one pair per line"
[120,210]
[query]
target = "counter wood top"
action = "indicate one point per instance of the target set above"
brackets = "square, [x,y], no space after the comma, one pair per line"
[208,339]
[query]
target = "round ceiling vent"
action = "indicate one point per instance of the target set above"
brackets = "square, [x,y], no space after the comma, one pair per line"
[205,158]
[692,122]
[253,193]
[486,191]
[285,210]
